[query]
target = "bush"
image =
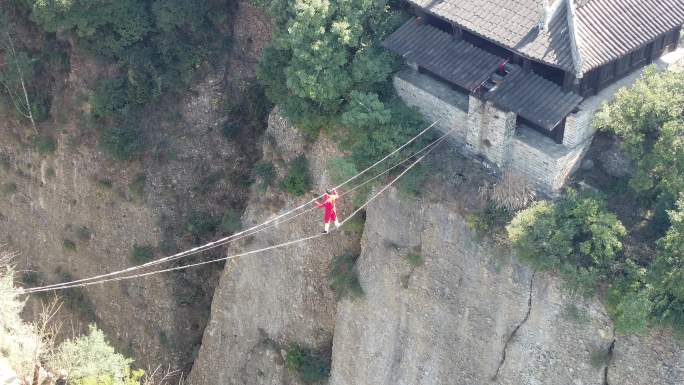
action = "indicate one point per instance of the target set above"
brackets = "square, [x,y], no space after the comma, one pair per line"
[141,254]
[123,143]
[343,278]
[91,360]
[104,183]
[231,129]
[411,184]
[414,259]
[309,365]
[44,144]
[201,224]
[69,245]
[576,235]
[231,221]
[108,98]
[647,118]
[297,181]
[341,169]
[666,277]
[9,189]
[265,171]
[489,222]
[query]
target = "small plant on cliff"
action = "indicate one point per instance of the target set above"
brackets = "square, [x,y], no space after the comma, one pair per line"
[141,254]
[231,221]
[9,189]
[44,144]
[298,180]
[343,277]
[311,366]
[137,187]
[264,171]
[69,245]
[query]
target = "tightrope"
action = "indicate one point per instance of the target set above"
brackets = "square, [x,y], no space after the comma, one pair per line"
[255,229]
[280,245]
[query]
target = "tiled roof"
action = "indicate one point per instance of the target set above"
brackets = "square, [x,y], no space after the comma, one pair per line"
[533,97]
[511,23]
[608,29]
[458,62]
[603,30]
[523,92]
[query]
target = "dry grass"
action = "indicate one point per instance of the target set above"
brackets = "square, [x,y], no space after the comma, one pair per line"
[512,193]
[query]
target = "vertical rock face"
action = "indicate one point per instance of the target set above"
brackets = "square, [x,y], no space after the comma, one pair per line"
[270,299]
[657,358]
[468,315]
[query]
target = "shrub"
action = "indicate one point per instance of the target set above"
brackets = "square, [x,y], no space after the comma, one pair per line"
[666,277]
[414,259]
[355,225]
[104,183]
[309,365]
[137,186]
[91,360]
[647,118]
[4,162]
[44,144]
[141,254]
[341,169]
[411,184]
[573,313]
[123,143]
[31,278]
[200,224]
[230,129]
[577,235]
[488,222]
[108,97]
[69,245]
[265,171]
[297,181]
[343,278]
[231,221]
[9,189]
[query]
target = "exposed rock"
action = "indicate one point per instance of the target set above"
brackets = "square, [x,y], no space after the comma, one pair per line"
[468,313]
[270,299]
[657,358]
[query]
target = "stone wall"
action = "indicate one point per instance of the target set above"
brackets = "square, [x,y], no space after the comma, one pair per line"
[546,163]
[435,100]
[483,130]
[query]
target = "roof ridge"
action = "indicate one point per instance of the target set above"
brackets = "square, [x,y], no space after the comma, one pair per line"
[575,38]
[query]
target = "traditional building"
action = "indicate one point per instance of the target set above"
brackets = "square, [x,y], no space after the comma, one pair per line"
[518,81]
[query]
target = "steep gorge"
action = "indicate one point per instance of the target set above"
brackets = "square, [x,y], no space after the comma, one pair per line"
[76,212]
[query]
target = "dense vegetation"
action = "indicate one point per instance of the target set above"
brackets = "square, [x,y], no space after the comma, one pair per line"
[86,359]
[582,239]
[327,70]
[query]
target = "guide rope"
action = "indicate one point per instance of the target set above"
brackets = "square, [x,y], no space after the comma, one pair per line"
[255,229]
[278,246]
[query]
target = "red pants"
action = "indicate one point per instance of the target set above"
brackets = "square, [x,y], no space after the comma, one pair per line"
[330,215]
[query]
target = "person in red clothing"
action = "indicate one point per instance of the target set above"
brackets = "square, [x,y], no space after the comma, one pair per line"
[329,201]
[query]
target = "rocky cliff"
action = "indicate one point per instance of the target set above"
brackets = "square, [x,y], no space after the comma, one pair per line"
[75,212]
[469,313]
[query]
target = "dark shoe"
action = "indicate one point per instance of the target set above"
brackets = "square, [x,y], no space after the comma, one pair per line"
[324,232]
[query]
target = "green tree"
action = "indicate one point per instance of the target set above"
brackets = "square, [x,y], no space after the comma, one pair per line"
[577,235]
[90,359]
[667,272]
[648,119]
[322,51]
